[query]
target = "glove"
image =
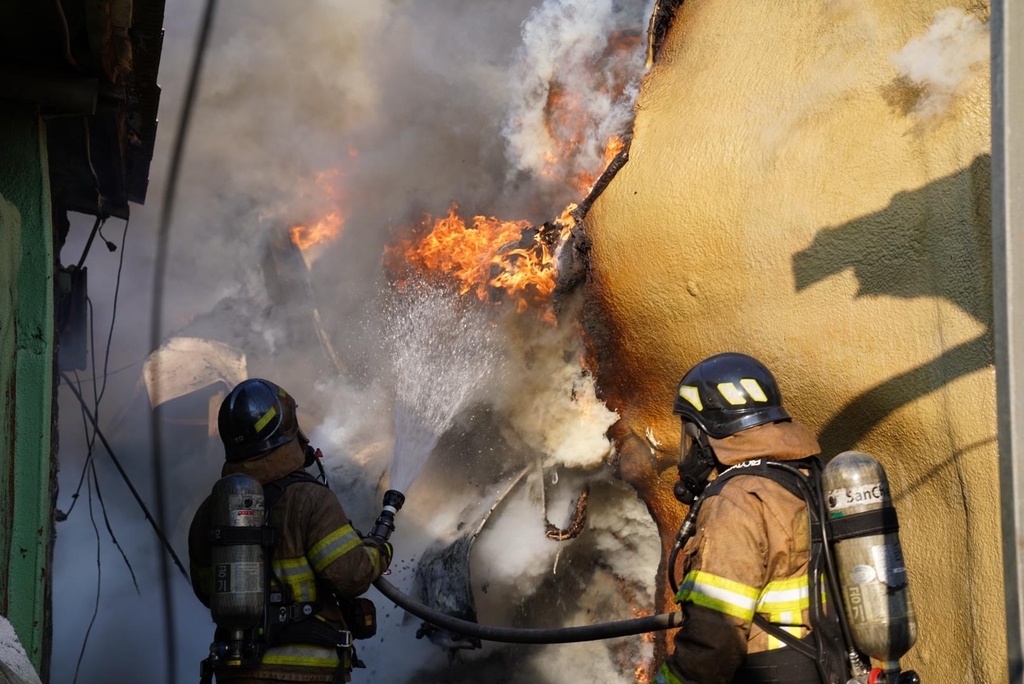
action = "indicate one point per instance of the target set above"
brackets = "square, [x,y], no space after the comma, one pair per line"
[384,548]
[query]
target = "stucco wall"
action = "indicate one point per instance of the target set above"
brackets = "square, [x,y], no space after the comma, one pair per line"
[784,197]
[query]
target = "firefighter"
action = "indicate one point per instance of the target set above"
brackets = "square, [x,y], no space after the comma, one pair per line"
[749,552]
[319,560]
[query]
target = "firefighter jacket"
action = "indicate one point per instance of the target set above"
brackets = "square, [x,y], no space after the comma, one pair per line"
[318,556]
[749,554]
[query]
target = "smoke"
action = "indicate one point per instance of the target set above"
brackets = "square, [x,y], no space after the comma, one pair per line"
[944,60]
[551,404]
[380,112]
[566,65]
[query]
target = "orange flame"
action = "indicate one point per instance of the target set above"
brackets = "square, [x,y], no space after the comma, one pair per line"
[328,193]
[586,181]
[491,255]
[326,229]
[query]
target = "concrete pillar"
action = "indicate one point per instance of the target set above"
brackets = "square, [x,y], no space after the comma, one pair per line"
[26,379]
[1008,290]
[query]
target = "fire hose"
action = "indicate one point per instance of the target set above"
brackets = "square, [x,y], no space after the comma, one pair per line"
[519,635]
[385,525]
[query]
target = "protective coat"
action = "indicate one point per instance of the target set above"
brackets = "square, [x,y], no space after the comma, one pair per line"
[749,554]
[319,555]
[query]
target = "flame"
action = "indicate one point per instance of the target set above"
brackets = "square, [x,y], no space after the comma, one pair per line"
[326,229]
[586,181]
[489,256]
[511,260]
[326,191]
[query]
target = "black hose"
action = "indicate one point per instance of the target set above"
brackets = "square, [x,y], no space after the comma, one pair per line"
[516,635]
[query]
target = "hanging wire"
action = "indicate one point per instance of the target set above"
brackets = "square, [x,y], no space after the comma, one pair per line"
[99,584]
[120,469]
[155,335]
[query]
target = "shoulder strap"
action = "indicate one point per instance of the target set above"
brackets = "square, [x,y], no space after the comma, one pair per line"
[762,467]
[272,491]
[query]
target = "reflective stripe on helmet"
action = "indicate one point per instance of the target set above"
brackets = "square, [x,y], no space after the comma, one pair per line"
[754,389]
[732,394]
[692,395]
[333,546]
[267,417]
[718,593]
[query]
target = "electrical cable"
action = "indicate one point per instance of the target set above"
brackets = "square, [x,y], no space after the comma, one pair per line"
[156,308]
[127,480]
[88,243]
[517,635]
[99,584]
[110,530]
[88,459]
[119,369]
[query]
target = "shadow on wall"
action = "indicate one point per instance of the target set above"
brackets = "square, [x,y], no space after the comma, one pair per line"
[930,242]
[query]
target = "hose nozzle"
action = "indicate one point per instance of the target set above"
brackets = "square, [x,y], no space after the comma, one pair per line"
[385,525]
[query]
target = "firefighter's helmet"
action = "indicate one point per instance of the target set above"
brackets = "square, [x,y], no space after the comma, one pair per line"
[254,418]
[727,393]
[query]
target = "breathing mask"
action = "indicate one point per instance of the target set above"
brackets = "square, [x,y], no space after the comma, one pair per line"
[696,463]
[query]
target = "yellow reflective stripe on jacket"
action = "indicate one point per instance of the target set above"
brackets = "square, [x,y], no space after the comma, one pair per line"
[303,655]
[298,575]
[785,620]
[784,595]
[333,546]
[665,676]
[718,593]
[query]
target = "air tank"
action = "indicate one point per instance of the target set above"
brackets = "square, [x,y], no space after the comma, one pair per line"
[236,602]
[869,559]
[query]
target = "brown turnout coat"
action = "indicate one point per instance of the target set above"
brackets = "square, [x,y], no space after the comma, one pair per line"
[318,556]
[749,554]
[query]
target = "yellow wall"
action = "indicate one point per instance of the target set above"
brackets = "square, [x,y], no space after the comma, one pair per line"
[783,199]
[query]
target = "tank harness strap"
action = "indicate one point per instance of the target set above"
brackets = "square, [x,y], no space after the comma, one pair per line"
[785,637]
[823,630]
[295,621]
[234,536]
[880,521]
[760,467]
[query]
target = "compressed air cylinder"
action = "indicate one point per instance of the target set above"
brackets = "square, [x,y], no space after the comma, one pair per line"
[238,574]
[869,558]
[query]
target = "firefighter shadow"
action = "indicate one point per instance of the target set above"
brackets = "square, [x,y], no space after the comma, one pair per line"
[931,242]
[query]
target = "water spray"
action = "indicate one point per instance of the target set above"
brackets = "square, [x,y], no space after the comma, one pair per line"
[385,525]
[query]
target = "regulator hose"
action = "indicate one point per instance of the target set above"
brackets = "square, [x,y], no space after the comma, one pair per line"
[516,635]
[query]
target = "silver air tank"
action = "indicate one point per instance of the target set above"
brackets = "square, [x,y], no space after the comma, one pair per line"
[872,573]
[236,602]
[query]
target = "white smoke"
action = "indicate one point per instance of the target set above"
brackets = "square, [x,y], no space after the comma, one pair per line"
[944,60]
[550,401]
[566,57]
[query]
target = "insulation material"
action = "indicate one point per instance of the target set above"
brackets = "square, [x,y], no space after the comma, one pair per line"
[188,364]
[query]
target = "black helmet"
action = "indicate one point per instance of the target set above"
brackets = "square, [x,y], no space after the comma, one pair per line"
[727,393]
[254,418]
